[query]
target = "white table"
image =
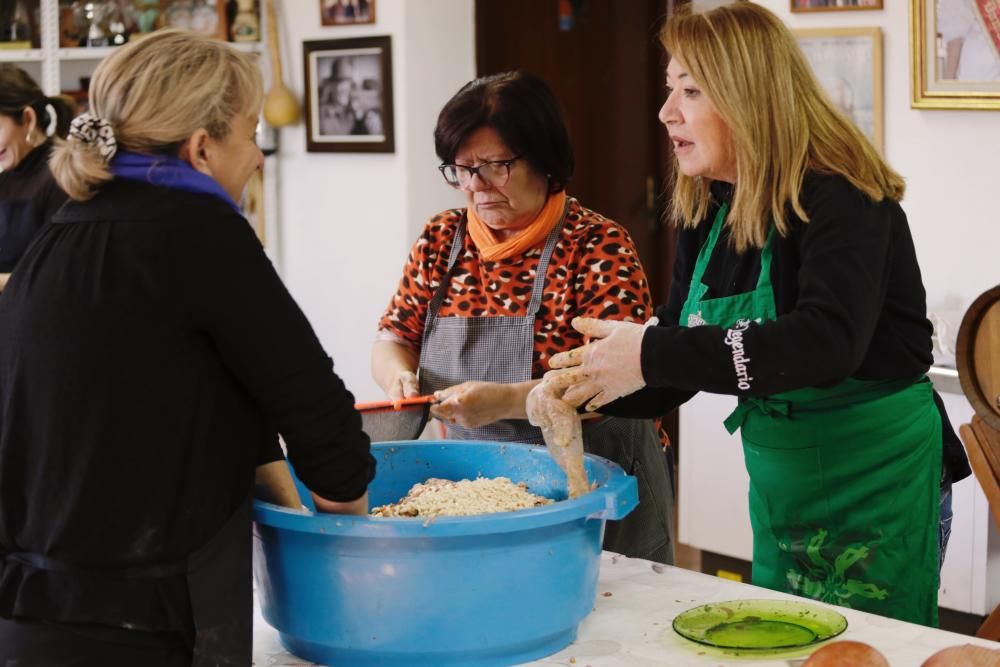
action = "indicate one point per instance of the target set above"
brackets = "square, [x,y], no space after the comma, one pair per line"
[631,626]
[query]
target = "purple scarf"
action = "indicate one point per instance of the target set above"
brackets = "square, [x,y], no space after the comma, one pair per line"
[167,172]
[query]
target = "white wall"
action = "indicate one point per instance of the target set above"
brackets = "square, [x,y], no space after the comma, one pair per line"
[949,160]
[346,221]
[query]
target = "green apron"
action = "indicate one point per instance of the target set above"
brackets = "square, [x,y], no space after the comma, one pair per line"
[844,481]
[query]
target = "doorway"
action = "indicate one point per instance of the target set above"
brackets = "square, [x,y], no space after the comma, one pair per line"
[605,65]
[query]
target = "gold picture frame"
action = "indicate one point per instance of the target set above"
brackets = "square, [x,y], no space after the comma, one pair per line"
[847,62]
[955,63]
[833,5]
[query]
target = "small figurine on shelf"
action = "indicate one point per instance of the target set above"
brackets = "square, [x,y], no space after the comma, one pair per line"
[179,14]
[118,35]
[246,25]
[146,12]
[92,20]
[120,23]
[205,18]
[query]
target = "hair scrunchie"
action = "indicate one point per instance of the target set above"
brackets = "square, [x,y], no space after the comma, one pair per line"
[95,131]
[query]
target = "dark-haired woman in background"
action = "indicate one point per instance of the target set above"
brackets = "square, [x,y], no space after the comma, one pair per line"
[488,292]
[28,194]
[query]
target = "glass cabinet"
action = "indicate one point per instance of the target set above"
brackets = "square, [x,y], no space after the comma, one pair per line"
[60,42]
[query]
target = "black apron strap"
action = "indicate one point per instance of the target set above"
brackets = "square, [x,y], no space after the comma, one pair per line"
[41,562]
[219,582]
[219,576]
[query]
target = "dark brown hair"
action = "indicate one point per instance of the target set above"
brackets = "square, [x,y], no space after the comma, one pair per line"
[18,91]
[522,109]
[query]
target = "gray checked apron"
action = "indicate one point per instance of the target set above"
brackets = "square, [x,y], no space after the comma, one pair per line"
[500,349]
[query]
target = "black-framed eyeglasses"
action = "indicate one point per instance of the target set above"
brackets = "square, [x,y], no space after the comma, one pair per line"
[495,172]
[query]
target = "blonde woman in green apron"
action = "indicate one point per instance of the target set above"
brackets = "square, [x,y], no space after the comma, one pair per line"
[797,289]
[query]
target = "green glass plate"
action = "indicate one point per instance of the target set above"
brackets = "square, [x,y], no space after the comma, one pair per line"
[759,624]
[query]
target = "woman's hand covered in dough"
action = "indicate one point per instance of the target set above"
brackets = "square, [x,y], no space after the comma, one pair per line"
[473,404]
[608,368]
[404,385]
[561,429]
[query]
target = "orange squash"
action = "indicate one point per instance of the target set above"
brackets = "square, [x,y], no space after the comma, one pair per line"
[847,654]
[964,656]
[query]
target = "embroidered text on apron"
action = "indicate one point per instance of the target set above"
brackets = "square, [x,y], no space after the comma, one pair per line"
[500,349]
[844,486]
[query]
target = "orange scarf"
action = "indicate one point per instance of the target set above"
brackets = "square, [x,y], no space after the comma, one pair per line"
[491,249]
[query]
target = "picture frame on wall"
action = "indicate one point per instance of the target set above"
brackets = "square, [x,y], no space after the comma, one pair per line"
[349,95]
[955,54]
[833,5]
[847,62]
[346,12]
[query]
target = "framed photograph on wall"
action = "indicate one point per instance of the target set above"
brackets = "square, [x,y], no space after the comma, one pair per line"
[833,5]
[955,54]
[349,95]
[346,12]
[847,62]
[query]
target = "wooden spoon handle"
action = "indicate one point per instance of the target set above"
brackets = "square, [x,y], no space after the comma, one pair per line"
[272,44]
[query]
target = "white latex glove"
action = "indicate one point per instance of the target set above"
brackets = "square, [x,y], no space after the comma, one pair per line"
[404,385]
[611,367]
[561,429]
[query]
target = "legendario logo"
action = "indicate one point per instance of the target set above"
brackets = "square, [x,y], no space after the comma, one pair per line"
[734,339]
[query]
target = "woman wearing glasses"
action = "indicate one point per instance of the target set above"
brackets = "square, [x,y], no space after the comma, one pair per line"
[488,292]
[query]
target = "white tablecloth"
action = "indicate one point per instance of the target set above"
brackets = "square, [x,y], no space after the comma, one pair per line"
[630,625]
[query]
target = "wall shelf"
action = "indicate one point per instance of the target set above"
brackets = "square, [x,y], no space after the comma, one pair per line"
[85,53]
[56,78]
[21,55]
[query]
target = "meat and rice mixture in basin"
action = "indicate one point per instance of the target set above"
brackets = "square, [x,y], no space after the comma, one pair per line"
[442,497]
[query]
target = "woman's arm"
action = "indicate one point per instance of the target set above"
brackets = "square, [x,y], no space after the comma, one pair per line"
[647,403]
[396,352]
[273,483]
[844,251]
[236,299]
[474,404]
[357,507]
[394,368]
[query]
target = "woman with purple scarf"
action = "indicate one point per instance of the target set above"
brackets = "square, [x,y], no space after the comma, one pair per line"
[149,354]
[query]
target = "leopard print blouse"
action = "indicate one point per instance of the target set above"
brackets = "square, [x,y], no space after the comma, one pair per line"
[594,272]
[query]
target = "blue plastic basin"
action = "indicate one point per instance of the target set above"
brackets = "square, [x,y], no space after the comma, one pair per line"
[495,589]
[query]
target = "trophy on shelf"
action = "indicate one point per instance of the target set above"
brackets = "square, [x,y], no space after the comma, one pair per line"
[92,23]
[92,20]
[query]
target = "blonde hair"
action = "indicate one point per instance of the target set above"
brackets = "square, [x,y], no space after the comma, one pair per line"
[782,123]
[156,93]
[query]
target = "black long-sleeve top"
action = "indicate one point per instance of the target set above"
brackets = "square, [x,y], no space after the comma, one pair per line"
[850,303]
[147,351]
[29,197]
